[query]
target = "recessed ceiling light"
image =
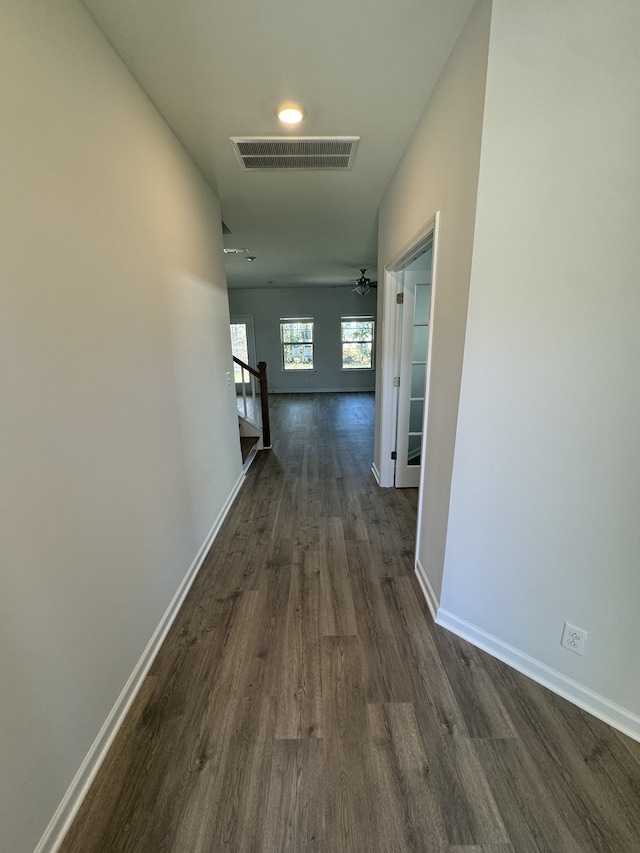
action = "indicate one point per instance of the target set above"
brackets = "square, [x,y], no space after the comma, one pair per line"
[290,113]
[228,251]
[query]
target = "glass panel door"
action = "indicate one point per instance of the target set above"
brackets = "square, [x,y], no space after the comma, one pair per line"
[416,309]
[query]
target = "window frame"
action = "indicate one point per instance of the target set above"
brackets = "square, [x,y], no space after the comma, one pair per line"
[289,321]
[360,318]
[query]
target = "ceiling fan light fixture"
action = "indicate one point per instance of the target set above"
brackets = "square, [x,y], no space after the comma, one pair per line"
[364,284]
[290,113]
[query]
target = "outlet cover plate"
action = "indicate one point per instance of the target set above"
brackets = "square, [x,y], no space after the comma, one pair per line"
[573,638]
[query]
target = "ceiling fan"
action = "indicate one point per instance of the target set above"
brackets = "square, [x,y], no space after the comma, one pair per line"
[364,284]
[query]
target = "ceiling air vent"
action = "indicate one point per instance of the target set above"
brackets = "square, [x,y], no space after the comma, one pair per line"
[301,152]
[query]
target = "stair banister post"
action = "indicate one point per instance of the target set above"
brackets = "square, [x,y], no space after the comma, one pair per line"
[264,403]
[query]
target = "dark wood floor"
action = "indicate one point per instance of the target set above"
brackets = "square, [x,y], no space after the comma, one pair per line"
[305,701]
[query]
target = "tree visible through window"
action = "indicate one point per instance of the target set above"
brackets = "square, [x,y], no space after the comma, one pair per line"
[296,334]
[357,343]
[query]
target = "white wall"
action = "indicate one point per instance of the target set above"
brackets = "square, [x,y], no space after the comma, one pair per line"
[118,439]
[326,305]
[439,171]
[543,521]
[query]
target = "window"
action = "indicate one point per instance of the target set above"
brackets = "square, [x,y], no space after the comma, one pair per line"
[296,334]
[357,343]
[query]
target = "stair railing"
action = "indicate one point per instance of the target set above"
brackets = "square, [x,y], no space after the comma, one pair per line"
[261,375]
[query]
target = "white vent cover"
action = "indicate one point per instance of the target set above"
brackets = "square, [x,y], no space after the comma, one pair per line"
[297,152]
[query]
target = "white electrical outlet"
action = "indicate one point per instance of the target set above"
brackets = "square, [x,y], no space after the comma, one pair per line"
[573,638]
[228,378]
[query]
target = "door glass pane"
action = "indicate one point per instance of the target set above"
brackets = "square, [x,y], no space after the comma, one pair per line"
[413,455]
[239,348]
[423,298]
[416,408]
[419,343]
[418,379]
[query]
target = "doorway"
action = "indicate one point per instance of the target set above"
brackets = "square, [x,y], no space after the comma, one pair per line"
[243,347]
[243,343]
[408,300]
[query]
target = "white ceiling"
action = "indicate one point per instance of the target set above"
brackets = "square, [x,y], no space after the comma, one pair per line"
[218,68]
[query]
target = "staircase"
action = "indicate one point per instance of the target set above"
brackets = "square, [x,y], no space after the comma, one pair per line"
[253,410]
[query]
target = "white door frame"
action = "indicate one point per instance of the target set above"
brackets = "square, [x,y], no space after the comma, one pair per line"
[389,364]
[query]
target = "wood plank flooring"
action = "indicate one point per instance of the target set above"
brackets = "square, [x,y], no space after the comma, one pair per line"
[305,701]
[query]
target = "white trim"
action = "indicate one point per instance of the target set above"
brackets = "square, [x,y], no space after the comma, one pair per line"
[615,715]
[412,249]
[252,455]
[427,590]
[387,406]
[427,390]
[65,813]
[375,472]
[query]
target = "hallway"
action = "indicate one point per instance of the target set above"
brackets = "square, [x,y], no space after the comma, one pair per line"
[304,699]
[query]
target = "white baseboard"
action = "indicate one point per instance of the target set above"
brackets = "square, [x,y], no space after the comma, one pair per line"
[427,590]
[375,472]
[615,715]
[72,800]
